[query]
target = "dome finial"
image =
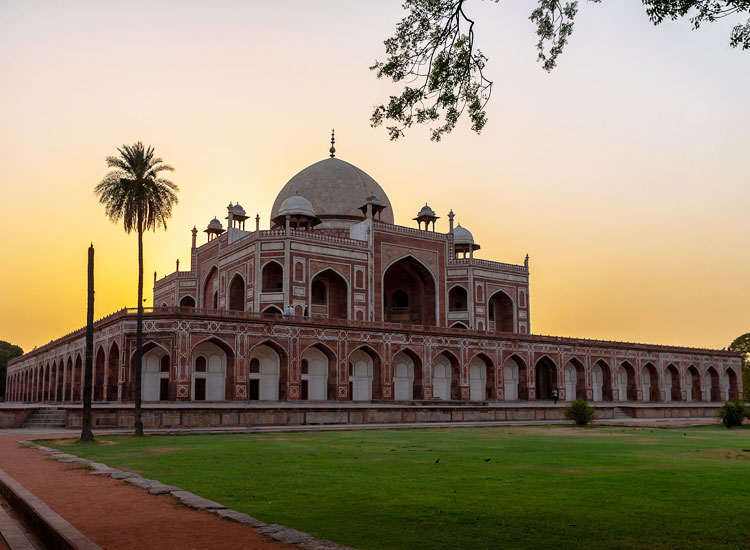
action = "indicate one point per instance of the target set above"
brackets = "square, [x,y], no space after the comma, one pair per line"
[332,149]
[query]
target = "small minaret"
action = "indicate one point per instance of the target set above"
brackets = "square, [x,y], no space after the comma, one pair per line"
[230,216]
[195,237]
[177,266]
[451,215]
[526,262]
[257,222]
[154,277]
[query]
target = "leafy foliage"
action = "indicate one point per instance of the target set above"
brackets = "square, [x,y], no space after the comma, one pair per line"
[733,412]
[742,344]
[136,194]
[580,412]
[433,53]
[7,352]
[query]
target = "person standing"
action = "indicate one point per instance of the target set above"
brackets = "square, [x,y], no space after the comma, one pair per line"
[554,395]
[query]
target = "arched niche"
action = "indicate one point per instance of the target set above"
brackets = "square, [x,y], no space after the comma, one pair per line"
[481,378]
[501,312]
[409,294]
[237,293]
[546,377]
[329,295]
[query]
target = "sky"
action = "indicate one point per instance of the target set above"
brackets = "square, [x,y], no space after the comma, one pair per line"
[624,174]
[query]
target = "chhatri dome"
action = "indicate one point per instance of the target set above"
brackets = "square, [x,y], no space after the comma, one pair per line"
[336,190]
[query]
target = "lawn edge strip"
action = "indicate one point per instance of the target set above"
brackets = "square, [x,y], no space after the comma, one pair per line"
[277,532]
[51,528]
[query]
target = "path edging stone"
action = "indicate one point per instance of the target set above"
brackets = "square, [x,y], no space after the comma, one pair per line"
[277,532]
[51,528]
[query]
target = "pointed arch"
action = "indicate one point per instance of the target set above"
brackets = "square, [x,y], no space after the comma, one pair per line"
[365,374]
[407,375]
[650,382]
[481,378]
[515,378]
[211,288]
[672,384]
[187,301]
[218,378]
[459,324]
[329,294]
[113,371]
[626,386]
[237,293]
[458,298]
[713,388]
[272,276]
[99,368]
[574,376]
[78,378]
[282,390]
[446,376]
[693,384]
[601,381]
[501,312]
[732,389]
[546,377]
[409,292]
[332,371]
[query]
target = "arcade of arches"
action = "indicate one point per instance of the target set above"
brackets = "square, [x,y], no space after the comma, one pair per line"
[265,374]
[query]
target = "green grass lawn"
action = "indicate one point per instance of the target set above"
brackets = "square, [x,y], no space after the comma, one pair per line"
[495,487]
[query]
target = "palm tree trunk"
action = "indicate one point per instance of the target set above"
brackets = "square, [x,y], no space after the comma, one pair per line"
[139,333]
[86,435]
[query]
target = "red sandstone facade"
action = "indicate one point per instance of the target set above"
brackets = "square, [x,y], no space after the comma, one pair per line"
[336,303]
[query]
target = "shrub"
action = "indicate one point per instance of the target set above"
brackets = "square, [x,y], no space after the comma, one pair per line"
[732,412]
[580,412]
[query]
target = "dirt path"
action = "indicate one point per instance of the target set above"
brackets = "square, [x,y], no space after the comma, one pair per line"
[117,515]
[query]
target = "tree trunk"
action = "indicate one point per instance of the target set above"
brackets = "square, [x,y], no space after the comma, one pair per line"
[86,435]
[139,333]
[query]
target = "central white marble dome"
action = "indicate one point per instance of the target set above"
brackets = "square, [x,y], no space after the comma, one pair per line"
[336,190]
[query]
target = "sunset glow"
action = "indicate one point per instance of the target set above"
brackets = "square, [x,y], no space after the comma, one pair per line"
[623,174]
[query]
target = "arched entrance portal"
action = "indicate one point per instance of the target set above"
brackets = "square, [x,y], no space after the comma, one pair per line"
[265,370]
[237,293]
[546,378]
[601,381]
[210,364]
[650,383]
[364,375]
[409,293]
[671,384]
[515,379]
[693,384]
[575,380]
[403,377]
[446,377]
[329,295]
[731,385]
[99,366]
[314,375]
[626,390]
[481,378]
[211,290]
[155,381]
[113,372]
[500,312]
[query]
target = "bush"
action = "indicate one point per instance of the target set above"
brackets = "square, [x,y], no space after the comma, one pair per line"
[580,412]
[732,412]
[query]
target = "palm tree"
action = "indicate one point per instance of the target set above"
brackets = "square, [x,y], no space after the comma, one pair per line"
[135,193]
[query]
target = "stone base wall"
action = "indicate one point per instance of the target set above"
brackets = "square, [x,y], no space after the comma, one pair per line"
[207,417]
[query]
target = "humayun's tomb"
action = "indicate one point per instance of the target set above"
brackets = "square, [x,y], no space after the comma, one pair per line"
[335,314]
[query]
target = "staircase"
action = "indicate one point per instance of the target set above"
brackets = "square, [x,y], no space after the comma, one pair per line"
[46,417]
[619,412]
